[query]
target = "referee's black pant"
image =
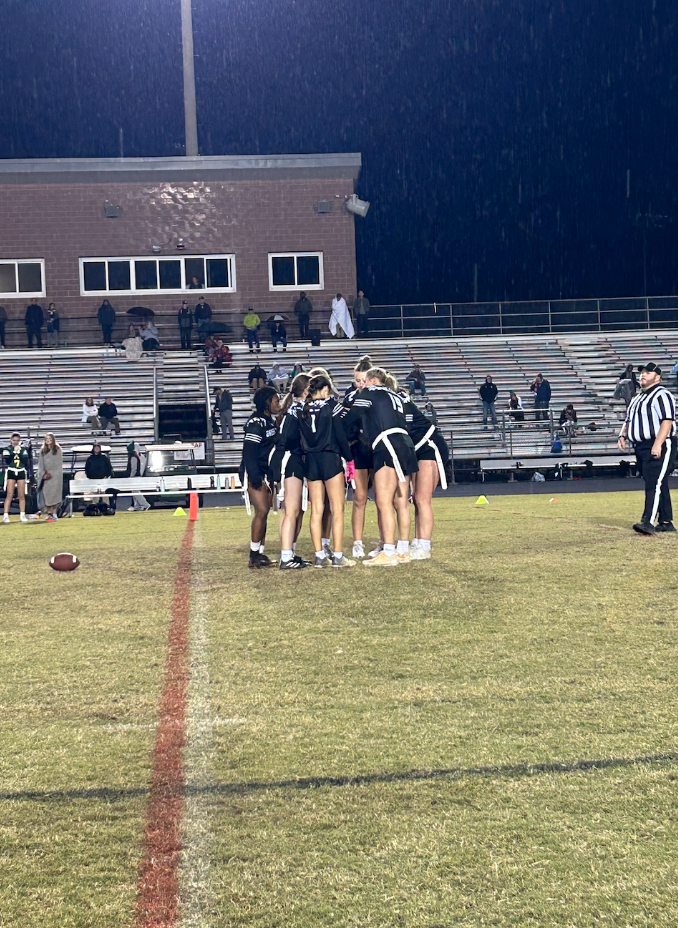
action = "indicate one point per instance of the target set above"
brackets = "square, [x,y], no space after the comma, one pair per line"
[655,473]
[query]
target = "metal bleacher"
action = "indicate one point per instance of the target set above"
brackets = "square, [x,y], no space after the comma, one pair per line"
[44,389]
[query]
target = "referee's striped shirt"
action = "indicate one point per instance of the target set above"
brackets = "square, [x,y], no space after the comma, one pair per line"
[647,410]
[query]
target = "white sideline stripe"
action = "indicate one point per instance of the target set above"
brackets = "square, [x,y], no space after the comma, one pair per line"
[195,898]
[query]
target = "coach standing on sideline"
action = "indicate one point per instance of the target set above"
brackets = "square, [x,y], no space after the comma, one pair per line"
[650,424]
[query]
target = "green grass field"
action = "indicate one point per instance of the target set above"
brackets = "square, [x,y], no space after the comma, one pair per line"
[487,738]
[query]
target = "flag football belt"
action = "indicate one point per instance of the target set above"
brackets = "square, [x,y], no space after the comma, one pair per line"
[426,440]
[384,438]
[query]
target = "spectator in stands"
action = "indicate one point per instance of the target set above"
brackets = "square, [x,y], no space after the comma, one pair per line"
[303,309]
[202,315]
[224,402]
[150,337]
[90,414]
[50,476]
[627,385]
[488,394]
[361,314]
[106,317]
[252,323]
[136,467]
[515,405]
[195,284]
[416,380]
[296,369]
[542,396]
[132,344]
[277,377]
[221,356]
[97,465]
[3,320]
[257,378]
[53,326]
[340,319]
[278,333]
[34,320]
[430,413]
[108,413]
[568,419]
[210,347]
[629,374]
[185,319]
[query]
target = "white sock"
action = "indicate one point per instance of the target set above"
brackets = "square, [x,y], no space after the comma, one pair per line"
[403,547]
[415,541]
[321,554]
[254,547]
[425,543]
[286,555]
[326,541]
[261,548]
[358,542]
[338,555]
[389,550]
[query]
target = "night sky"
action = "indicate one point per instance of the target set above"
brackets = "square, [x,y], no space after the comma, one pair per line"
[536,139]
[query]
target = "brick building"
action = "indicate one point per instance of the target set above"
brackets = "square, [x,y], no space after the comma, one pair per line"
[243,231]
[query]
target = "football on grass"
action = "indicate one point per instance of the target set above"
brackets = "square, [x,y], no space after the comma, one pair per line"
[64,562]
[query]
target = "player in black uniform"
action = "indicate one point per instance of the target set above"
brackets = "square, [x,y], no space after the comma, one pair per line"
[327,514]
[256,473]
[324,443]
[433,457]
[292,472]
[16,462]
[362,458]
[395,460]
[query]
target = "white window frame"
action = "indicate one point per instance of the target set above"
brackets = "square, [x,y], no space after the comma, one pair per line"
[296,286]
[24,294]
[159,291]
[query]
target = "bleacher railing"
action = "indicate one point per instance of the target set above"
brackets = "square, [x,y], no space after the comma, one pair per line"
[546,317]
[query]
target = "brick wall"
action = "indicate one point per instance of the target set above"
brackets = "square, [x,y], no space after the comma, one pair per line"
[63,222]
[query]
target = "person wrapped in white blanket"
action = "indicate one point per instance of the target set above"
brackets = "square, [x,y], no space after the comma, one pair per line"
[341,317]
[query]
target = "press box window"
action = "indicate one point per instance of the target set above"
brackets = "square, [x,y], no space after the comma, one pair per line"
[296,270]
[213,273]
[22,278]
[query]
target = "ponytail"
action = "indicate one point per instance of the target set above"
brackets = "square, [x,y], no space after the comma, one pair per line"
[297,388]
[364,364]
[315,385]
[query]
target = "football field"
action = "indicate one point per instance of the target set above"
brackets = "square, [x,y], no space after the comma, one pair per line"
[485,738]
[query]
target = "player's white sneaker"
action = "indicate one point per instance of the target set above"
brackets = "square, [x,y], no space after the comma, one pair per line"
[418,553]
[376,551]
[358,550]
[22,517]
[382,560]
[5,519]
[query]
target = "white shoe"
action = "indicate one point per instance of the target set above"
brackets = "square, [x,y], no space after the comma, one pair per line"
[358,550]
[383,560]
[22,517]
[404,557]
[5,519]
[418,553]
[376,551]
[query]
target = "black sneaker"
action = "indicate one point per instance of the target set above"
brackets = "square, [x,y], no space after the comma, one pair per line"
[644,528]
[258,560]
[666,527]
[301,561]
[293,564]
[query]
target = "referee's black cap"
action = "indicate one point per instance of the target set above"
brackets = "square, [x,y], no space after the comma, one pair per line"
[651,368]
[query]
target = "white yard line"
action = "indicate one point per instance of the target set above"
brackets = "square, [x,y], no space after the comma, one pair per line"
[196,902]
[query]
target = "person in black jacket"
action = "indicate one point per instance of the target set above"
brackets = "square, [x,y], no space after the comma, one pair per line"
[488,394]
[185,319]
[34,321]
[324,443]
[108,413]
[303,309]
[290,472]
[542,397]
[256,471]
[202,315]
[278,333]
[97,465]
[106,317]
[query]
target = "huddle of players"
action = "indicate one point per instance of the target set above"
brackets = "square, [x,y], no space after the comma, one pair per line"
[313,441]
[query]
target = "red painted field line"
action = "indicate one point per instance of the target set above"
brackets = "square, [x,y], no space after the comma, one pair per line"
[157,889]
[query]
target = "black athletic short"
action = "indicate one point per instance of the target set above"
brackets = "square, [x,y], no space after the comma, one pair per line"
[403,447]
[268,474]
[295,467]
[16,473]
[323,465]
[362,456]
[426,453]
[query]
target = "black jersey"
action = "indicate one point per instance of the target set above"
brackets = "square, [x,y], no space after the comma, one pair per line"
[261,435]
[380,410]
[15,457]
[322,430]
[417,423]
[290,432]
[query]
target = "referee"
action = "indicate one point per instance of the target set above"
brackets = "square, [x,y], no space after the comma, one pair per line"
[650,425]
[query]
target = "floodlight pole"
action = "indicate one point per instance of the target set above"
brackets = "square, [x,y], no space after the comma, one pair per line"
[190,111]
